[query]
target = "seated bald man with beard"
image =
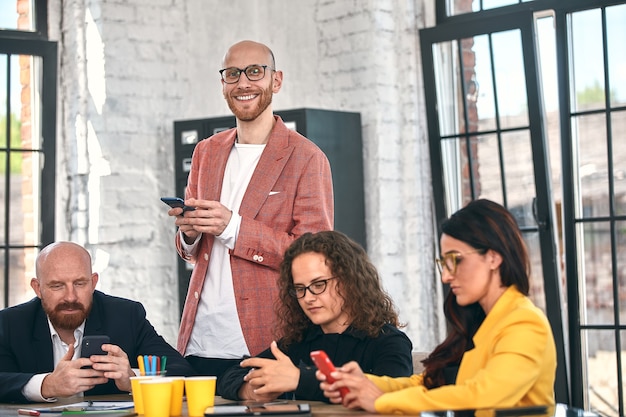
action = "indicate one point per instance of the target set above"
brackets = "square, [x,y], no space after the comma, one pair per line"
[40,340]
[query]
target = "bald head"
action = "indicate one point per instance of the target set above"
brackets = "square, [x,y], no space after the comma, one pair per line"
[61,253]
[248,51]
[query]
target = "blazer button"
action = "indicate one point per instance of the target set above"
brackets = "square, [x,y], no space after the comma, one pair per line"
[206,256]
[260,259]
[195,294]
[255,257]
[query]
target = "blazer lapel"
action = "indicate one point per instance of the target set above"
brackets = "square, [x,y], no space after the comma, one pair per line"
[218,151]
[42,341]
[93,324]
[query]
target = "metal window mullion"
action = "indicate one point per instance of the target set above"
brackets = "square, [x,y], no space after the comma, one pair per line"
[7,186]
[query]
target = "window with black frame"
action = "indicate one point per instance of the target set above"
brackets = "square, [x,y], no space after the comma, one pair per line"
[579,58]
[27,116]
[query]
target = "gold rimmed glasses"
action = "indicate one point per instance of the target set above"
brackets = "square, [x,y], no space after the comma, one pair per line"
[450,260]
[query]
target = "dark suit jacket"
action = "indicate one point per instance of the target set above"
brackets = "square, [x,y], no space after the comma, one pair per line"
[26,345]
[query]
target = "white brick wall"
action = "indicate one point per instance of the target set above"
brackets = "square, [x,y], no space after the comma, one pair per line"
[130,68]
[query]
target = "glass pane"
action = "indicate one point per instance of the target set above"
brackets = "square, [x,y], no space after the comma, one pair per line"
[492,4]
[587,63]
[597,290]
[481,85]
[8,14]
[589,132]
[487,174]
[3,82]
[616,33]
[618,127]
[21,270]
[11,19]
[455,171]
[455,7]
[536,272]
[3,302]
[447,84]
[510,79]
[28,97]
[3,190]
[24,200]
[546,46]
[601,372]
[519,170]
[620,260]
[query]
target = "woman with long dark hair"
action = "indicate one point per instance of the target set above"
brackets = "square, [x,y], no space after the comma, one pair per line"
[499,351]
[331,299]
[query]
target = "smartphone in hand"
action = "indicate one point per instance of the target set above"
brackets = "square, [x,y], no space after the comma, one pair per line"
[175,202]
[92,345]
[323,363]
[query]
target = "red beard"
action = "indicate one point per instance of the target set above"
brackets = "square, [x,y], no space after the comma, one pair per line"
[249,114]
[64,321]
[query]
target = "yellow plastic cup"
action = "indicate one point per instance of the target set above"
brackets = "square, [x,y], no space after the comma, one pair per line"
[200,392]
[178,389]
[136,390]
[157,397]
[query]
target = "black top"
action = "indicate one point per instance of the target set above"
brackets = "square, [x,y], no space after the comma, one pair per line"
[387,354]
[26,345]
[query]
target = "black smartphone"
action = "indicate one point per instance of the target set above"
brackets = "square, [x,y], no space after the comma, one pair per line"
[92,345]
[175,202]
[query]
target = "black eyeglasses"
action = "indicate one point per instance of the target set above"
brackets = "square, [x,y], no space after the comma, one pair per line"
[450,260]
[315,288]
[254,72]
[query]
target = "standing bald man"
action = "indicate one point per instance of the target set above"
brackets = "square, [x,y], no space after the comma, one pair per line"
[255,189]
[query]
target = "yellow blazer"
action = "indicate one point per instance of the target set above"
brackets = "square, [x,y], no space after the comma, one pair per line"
[513,363]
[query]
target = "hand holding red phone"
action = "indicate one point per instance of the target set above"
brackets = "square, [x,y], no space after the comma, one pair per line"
[324,364]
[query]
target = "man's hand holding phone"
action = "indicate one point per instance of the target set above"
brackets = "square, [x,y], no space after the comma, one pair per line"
[111,362]
[92,345]
[177,202]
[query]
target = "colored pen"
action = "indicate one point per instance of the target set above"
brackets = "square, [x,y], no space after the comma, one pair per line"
[142,369]
[27,412]
[158,365]
[163,361]
[146,364]
[153,367]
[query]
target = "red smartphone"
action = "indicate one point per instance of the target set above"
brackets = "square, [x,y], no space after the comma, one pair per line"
[323,363]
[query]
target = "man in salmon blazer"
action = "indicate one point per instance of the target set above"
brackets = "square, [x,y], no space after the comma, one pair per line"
[255,189]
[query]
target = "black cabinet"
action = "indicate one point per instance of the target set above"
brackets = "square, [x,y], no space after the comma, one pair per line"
[337,133]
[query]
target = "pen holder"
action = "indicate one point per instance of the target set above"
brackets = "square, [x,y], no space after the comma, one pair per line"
[152,365]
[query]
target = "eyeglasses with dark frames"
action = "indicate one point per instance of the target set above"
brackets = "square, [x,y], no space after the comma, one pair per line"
[254,72]
[450,260]
[315,288]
